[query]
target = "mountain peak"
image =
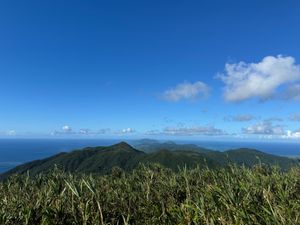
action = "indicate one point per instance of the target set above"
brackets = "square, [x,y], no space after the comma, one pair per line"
[123,145]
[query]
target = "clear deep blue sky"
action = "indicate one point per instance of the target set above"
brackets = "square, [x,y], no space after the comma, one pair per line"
[149,69]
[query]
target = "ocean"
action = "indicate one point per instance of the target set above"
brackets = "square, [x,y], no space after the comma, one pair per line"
[14,152]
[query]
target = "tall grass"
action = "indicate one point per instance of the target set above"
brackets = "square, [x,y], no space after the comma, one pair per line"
[154,195]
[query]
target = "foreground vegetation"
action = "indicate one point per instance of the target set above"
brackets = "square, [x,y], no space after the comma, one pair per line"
[154,195]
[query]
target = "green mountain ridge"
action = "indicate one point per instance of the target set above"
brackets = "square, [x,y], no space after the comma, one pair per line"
[149,145]
[102,159]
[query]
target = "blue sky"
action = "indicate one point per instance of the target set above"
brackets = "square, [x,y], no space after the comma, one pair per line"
[157,69]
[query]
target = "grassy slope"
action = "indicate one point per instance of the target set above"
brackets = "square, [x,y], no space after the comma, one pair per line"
[154,195]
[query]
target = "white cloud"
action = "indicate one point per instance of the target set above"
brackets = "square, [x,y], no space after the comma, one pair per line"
[67,129]
[260,80]
[265,128]
[292,134]
[125,131]
[128,130]
[186,91]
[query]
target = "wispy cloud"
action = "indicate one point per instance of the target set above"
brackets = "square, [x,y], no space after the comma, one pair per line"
[186,91]
[261,80]
[265,128]
[85,131]
[189,131]
[11,133]
[292,92]
[68,130]
[295,117]
[153,132]
[104,131]
[239,118]
[274,119]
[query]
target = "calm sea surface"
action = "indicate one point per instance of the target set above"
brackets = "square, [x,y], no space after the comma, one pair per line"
[16,151]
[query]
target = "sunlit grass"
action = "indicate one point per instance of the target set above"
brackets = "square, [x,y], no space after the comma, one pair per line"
[154,195]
